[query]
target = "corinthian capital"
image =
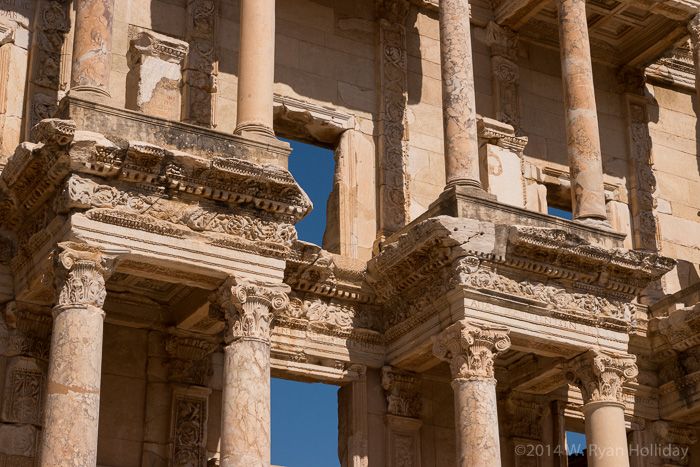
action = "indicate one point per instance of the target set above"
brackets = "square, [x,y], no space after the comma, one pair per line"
[394,11]
[470,348]
[247,306]
[694,28]
[601,375]
[81,271]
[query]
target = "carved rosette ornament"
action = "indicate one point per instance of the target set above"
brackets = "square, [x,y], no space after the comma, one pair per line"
[600,376]
[470,348]
[247,306]
[81,270]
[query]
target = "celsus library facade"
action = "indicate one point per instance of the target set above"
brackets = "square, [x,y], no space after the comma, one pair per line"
[152,281]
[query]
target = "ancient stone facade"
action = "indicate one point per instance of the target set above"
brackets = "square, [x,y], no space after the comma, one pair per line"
[151,277]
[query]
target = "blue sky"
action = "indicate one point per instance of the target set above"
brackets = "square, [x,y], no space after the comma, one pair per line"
[305,416]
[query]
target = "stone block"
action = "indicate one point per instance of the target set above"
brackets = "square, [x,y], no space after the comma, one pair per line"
[125,351]
[121,452]
[18,440]
[501,174]
[121,395]
[153,83]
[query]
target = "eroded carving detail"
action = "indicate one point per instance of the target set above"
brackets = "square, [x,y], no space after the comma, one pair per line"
[470,348]
[402,392]
[600,375]
[190,362]
[189,430]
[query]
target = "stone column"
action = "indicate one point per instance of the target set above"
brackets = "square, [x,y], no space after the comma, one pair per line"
[73,394]
[694,28]
[600,377]
[92,46]
[458,97]
[470,349]
[256,68]
[245,421]
[582,138]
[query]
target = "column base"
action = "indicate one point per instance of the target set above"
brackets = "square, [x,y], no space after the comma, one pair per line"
[254,130]
[466,183]
[596,222]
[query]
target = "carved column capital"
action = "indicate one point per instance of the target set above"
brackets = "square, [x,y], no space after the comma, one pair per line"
[694,29]
[402,392]
[247,306]
[470,348]
[81,271]
[600,375]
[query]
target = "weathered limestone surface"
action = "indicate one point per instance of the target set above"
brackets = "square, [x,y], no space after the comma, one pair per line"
[470,349]
[583,141]
[458,98]
[92,46]
[75,362]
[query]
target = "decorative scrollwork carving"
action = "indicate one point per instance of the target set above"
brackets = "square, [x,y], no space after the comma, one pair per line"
[600,375]
[470,348]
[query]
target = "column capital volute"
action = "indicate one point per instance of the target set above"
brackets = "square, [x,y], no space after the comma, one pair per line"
[81,271]
[247,305]
[600,375]
[694,29]
[470,348]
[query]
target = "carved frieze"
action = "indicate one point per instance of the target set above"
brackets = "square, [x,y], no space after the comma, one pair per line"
[600,375]
[682,328]
[29,331]
[470,348]
[322,314]
[402,390]
[524,417]
[679,438]
[248,307]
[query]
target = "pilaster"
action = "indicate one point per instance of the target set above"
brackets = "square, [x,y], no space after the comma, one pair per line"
[402,418]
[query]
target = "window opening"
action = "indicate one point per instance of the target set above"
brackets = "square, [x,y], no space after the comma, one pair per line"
[576,449]
[313,168]
[556,212]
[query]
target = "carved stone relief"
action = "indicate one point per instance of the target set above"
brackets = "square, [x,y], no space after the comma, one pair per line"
[393,125]
[600,376]
[190,360]
[188,428]
[402,392]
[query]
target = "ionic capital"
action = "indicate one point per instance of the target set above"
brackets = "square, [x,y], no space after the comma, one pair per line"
[81,270]
[470,348]
[247,306]
[402,392]
[694,29]
[600,376]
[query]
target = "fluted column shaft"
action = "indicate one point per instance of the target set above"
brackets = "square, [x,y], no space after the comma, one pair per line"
[470,349]
[694,29]
[92,46]
[458,96]
[71,415]
[600,377]
[256,67]
[245,421]
[582,137]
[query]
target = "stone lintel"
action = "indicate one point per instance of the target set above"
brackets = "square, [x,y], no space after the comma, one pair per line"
[514,14]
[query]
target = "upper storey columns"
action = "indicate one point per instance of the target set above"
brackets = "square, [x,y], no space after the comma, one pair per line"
[458,96]
[256,68]
[92,46]
[583,140]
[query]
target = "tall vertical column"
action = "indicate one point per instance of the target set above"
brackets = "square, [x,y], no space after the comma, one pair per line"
[73,393]
[582,138]
[600,377]
[256,67]
[458,97]
[470,349]
[92,46]
[694,28]
[245,421]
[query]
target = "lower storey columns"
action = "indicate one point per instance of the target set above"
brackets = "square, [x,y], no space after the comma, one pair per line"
[600,377]
[582,138]
[470,349]
[245,423]
[75,361]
